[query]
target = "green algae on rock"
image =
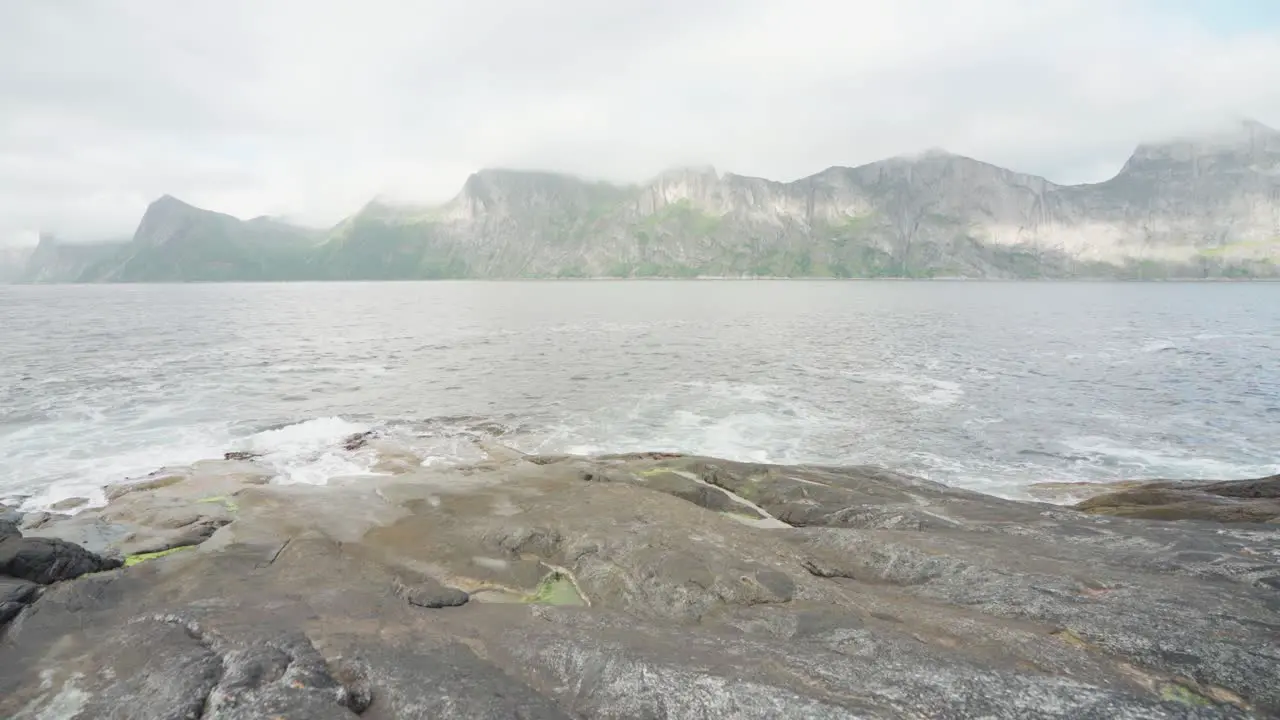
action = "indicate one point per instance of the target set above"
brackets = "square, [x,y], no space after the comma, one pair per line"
[132,560]
[556,589]
[223,500]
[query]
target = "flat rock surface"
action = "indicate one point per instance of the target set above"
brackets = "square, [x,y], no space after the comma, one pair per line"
[641,586]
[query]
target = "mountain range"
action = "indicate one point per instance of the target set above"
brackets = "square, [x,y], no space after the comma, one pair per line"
[1198,207]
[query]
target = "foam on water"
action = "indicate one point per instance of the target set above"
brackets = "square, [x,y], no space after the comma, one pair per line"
[1167,461]
[988,386]
[747,422]
[77,450]
[311,451]
[917,387]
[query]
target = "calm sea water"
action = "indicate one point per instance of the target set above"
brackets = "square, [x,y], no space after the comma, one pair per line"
[990,386]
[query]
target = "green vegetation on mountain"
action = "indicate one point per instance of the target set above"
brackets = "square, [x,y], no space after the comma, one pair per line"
[1195,208]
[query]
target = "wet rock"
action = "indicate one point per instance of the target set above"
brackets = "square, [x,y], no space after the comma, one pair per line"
[48,560]
[10,515]
[1240,501]
[432,594]
[628,587]
[69,504]
[358,440]
[8,528]
[1076,491]
[394,459]
[15,594]
[154,482]
[36,520]
[241,455]
[1268,487]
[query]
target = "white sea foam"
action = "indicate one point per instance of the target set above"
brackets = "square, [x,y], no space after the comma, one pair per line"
[918,388]
[77,459]
[311,451]
[792,377]
[1167,461]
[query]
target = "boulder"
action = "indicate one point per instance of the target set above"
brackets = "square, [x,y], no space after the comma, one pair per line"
[1237,501]
[15,594]
[355,441]
[49,560]
[36,520]
[70,503]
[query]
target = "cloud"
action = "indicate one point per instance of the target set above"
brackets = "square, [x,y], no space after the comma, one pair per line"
[308,109]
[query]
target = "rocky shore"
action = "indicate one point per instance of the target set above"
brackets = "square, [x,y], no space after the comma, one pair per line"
[639,586]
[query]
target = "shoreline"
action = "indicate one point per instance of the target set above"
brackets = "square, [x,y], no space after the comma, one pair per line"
[393,461]
[544,585]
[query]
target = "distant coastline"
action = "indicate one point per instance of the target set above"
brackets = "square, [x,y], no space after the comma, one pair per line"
[707,278]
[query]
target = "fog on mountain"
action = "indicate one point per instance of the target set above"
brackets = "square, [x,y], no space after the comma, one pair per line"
[1204,207]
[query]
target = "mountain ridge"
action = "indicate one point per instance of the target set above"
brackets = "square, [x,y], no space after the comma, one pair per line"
[1194,207]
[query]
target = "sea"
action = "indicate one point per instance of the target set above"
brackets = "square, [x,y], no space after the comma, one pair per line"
[992,386]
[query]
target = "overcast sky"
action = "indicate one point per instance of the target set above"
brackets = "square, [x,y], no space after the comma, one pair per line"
[308,108]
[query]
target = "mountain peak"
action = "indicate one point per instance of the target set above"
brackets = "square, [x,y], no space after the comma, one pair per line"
[497,186]
[684,171]
[504,174]
[168,201]
[1246,137]
[1253,127]
[936,153]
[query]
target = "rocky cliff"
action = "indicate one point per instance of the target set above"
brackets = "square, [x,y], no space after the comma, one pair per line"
[54,261]
[177,242]
[13,262]
[1205,207]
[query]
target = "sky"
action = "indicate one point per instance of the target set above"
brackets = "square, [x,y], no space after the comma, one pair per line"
[307,109]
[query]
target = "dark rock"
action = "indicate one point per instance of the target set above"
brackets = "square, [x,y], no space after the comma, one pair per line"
[8,529]
[170,666]
[432,594]
[358,440]
[14,595]
[1237,501]
[241,455]
[49,560]
[160,669]
[1267,487]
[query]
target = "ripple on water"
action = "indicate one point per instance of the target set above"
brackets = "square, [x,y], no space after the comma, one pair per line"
[990,386]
